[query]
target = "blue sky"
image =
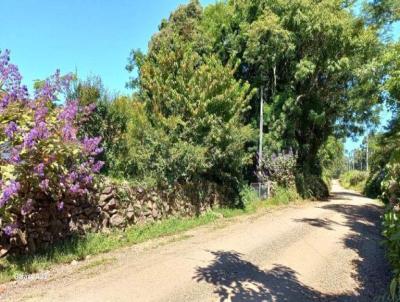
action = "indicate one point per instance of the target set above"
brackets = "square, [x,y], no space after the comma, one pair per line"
[93,37]
[90,36]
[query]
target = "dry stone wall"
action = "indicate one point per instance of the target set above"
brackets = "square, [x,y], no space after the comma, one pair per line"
[116,206]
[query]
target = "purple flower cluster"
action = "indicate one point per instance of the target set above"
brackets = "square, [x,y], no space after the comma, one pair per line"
[77,182]
[97,166]
[9,191]
[60,205]
[15,157]
[53,86]
[67,117]
[11,128]
[9,230]
[68,114]
[44,185]
[39,132]
[10,81]
[41,113]
[39,169]
[27,207]
[43,146]
[280,168]
[91,145]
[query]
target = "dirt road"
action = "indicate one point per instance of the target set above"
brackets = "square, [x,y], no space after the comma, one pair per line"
[322,251]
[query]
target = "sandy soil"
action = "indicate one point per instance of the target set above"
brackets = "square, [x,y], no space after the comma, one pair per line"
[321,251]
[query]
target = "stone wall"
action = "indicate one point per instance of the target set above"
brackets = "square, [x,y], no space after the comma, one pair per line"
[116,206]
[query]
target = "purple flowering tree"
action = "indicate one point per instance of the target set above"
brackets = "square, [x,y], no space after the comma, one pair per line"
[280,169]
[41,155]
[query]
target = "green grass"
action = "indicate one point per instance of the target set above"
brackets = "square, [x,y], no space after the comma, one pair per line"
[283,196]
[97,243]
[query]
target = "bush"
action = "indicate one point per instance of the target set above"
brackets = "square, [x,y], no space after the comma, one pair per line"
[202,134]
[354,180]
[41,156]
[280,169]
[248,196]
[391,232]
[195,104]
[373,185]
[391,219]
[391,183]
[284,196]
[311,186]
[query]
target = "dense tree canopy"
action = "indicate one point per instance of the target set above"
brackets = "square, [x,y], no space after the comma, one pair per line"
[195,101]
[315,62]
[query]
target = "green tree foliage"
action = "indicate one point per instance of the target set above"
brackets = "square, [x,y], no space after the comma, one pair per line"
[127,136]
[315,61]
[194,104]
[384,147]
[382,12]
[317,65]
[389,143]
[331,158]
[384,178]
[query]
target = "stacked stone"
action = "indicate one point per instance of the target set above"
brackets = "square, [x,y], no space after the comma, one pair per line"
[116,206]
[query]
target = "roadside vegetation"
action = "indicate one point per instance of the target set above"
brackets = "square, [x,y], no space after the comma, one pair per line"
[380,152]
[322,69]
[79,248]
[354,180]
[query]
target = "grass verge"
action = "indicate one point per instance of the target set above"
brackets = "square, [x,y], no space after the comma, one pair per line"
[12,267]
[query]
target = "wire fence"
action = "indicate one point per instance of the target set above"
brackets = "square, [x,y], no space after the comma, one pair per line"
[262,189]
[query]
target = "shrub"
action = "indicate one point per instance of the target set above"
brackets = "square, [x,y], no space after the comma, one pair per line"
[354,180]
[373,185]
[41,155]
[391,219]
[248,197]
[391,183]
[280,169]
[311,186]
[391,232]
[195,103]
[283,196]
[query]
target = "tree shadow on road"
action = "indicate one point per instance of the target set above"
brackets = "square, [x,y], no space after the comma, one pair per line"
[236,279]
[318,222]
[239,280]
[371,269]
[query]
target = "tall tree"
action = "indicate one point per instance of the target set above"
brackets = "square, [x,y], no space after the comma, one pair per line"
[195,101]
[381,12]
[315,61]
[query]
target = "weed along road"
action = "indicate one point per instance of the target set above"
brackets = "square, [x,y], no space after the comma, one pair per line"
[317,251]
